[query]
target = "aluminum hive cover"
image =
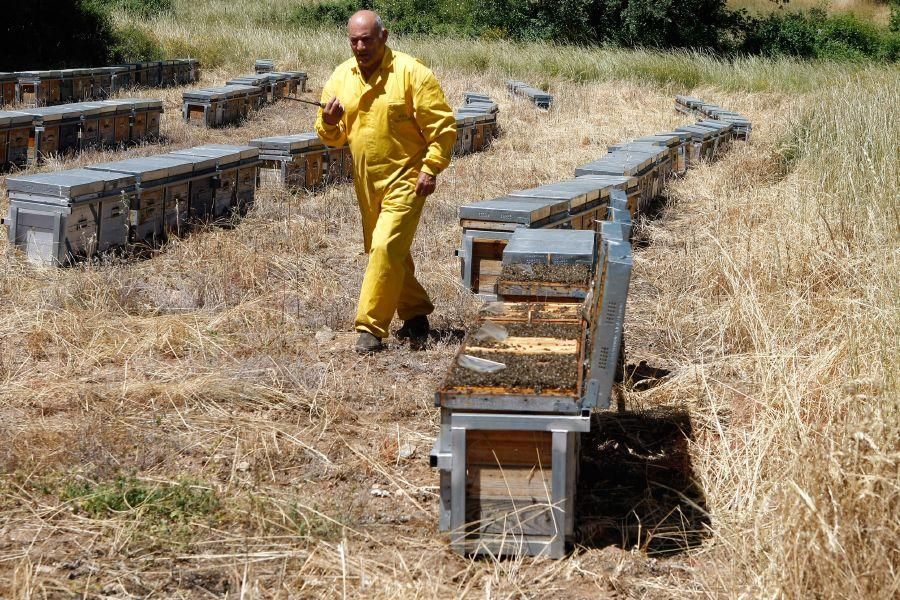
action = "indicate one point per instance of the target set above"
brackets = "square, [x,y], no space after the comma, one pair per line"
[507,209]
[287,142]
[660,139]
[655,151]
[145,169]
[62,184]
[222,150]
[611,181]
[550,246]
[200,163]
[9,118]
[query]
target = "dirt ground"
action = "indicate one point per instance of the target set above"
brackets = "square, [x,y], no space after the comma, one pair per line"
[195,424]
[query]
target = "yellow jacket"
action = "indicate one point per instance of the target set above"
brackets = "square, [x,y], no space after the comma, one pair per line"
[396,122]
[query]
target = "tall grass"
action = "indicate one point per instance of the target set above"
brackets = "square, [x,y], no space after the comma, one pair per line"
[798,282]
[232,40]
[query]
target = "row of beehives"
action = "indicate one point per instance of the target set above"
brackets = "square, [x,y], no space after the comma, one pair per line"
[303,161]
[218,106]
[536,96]
[640,168]
[698,108]
[55,218]
[47,88]
[547,351]
[30,134]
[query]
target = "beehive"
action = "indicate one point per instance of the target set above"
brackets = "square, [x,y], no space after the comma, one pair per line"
[8,88]
[15,132]
[55,218]
[301,161]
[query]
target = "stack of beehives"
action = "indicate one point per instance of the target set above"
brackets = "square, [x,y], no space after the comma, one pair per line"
[538,97]
[698,108]
[48,88]
[302,161]
[476,123]
[56,218]
[217,106]
[519,393]
[546,351]
[31,134]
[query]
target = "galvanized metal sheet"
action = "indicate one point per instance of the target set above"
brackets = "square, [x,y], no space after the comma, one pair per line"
[509,209]
[550,246]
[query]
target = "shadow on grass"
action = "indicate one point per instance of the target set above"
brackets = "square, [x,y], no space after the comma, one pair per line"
[636,485]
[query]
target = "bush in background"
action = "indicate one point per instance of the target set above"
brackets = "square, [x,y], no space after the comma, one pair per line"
[697,24]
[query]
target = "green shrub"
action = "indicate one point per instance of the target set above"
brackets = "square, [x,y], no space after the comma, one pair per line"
[815,34]
[133,44]
[326,13]
[138,8]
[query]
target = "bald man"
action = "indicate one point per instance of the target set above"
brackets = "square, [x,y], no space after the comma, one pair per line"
[391,110]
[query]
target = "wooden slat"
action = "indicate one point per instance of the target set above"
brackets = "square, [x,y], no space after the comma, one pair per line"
[508,448]
[531,345]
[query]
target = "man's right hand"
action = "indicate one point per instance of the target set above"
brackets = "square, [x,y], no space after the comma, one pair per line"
[333,111]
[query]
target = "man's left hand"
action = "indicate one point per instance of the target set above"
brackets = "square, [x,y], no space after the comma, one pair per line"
[426,184]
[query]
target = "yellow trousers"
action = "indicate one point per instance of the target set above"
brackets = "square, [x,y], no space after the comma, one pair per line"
[389,222]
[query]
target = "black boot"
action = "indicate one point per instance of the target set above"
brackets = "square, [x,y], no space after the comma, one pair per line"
[416,331]
[368,343]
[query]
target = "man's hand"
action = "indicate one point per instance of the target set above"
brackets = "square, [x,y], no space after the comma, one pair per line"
[426,184]
[333,111]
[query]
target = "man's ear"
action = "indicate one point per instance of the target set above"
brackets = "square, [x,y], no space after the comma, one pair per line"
[384,35]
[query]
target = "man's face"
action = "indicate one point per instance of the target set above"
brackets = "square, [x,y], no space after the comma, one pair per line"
[367,44]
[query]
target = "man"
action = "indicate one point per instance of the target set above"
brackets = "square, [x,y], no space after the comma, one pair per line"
[392,111]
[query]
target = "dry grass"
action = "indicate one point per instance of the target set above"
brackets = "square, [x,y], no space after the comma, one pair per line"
[769,288]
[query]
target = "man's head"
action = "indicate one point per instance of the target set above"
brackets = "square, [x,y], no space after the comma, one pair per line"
[367,39]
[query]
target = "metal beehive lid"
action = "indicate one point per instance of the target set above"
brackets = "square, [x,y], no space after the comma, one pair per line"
[47,114]
[484,106]
[610,166]
[200,163]
[702,133]
[476,97]
[293,74]
[634,159]
[119,106]
[255,79]
[144,103]
[89,109]
[205,94]
[509,209]
[98,108]
[287,143]
[8,118]
[146,170]
[242,152]
[177,165]
[38,74]
[112,180]
[232,91]
[463,119]
[577,192]
[611,181]
[660,139]
[75,72]
[719,126]
[688,100]
[60,184]
[655,152]
[550,246]
[8,76]
[681,135]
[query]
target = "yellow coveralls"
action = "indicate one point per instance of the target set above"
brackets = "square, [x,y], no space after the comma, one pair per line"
[397,123]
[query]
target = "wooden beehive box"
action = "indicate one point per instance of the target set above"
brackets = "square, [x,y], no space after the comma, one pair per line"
[509,440]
